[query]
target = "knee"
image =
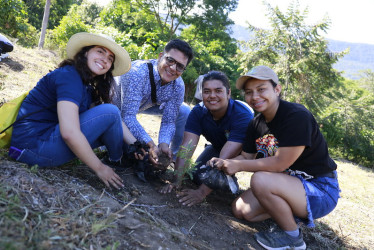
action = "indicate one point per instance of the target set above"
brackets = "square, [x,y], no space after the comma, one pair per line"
[236,209]
[259,182]
[108,112]
[109,108]
[241,210]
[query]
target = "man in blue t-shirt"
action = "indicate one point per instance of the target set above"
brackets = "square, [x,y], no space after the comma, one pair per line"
[223,122]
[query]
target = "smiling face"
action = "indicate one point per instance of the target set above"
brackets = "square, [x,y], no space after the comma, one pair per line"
[215,98]
[99,60]
[170,73]
[262,96]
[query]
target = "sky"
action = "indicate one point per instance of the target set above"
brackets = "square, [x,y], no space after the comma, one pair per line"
[350,19]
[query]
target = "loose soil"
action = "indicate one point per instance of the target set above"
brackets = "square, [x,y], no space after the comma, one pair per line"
[88,216]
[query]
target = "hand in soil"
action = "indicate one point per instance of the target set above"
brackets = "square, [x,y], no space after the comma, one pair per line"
[191,197]
[167,188]
[109,177]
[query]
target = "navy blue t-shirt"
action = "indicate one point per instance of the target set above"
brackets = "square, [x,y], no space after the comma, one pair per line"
[293,125]
[62,84]
[231,127]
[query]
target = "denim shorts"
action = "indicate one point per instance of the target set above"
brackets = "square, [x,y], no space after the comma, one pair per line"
[322,197]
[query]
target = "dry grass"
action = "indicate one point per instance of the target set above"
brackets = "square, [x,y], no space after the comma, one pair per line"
[353,218]
[18,76]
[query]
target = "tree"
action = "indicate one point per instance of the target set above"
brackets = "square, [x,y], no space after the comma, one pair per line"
[299,55]
[347,122]
[14,22]
[70,24]
[367,79]
[297,52]
[45,23]
[150,24]
[59,8]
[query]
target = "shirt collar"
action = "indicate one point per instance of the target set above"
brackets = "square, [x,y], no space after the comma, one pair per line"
[228,111]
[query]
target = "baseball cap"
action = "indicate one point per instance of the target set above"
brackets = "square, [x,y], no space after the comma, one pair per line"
[259,72]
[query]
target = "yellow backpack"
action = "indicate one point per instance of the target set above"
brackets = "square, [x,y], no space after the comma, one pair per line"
[8,114]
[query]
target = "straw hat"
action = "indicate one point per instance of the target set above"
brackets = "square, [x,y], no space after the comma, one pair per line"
[122,61]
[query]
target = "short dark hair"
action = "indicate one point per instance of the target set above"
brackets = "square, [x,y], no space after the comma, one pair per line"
[217,75]
[273,83]
[182,46]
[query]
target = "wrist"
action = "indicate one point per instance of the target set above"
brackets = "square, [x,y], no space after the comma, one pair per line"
[151,145]
[97,167]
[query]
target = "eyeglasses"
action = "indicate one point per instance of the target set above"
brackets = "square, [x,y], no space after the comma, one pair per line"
[171,61]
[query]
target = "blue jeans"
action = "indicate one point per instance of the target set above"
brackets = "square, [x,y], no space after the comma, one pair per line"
[184,111]
[101,125]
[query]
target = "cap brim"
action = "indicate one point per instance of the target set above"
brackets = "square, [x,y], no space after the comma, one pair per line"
[122,61]
[243,79]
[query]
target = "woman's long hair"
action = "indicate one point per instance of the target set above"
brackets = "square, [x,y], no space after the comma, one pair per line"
[101,84]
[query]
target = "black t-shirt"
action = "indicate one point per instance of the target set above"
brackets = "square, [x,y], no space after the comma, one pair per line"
[293,125]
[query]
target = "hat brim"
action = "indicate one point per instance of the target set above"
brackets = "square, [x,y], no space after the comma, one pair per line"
[122,61]
[243,79]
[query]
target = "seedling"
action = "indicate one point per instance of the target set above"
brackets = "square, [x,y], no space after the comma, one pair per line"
[189,164]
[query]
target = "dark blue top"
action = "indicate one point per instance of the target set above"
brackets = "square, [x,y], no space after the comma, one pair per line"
[231,127]
[62,84]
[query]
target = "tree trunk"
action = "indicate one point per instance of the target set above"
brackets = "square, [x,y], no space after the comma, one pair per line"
[45,23]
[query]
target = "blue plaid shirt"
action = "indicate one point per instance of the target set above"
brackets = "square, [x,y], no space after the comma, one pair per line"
[133,94]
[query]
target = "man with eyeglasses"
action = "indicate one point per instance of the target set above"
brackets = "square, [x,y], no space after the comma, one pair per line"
[134,94]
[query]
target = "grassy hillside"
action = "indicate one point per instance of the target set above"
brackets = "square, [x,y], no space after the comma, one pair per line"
[68,207]
[22,70]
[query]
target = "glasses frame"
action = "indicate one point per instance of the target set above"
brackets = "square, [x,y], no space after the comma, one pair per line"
[170,61]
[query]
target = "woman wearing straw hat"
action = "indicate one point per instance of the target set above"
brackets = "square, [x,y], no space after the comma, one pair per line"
[68,111]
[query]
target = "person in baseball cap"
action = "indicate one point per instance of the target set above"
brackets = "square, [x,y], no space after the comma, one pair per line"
[259,72]
[294,178]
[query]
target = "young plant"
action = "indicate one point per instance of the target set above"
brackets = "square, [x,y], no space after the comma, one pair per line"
[189,165]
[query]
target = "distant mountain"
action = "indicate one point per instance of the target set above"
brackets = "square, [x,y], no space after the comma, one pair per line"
[240,33]
[360,56]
